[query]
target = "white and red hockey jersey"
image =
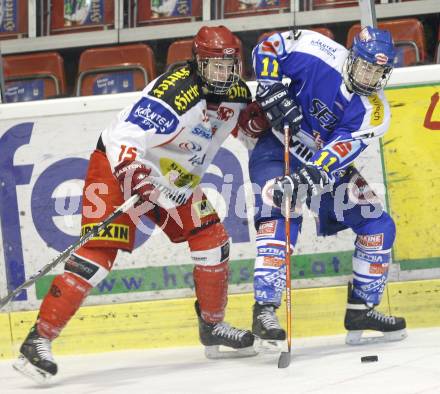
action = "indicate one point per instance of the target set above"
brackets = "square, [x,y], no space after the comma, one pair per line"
[175,130]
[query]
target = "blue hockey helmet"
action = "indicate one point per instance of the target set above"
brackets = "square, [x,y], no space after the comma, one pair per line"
[370,61]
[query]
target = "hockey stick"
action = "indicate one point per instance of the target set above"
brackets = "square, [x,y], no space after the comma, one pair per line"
[284,360]
[65,254]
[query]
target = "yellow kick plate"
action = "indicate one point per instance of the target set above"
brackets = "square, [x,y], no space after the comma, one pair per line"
[173,323]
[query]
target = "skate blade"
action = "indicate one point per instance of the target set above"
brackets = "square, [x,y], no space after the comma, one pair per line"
[23,366]
[268,346]
[215,353]
[355,338]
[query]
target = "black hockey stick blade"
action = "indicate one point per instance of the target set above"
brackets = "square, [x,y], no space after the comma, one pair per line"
[284,360]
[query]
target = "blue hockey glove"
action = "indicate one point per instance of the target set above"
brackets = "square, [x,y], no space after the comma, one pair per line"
[279,107]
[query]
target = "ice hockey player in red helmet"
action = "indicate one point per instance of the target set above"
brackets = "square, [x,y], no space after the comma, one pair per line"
[159,148]
[217,55]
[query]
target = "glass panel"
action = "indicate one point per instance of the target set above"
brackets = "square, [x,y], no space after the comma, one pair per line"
[237,8]
[168,11]
[416,38]
[13,19]
[80,15]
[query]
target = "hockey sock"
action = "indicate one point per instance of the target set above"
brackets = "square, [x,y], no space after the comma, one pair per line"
[371,258]
[370,273]
[270,269]
[211,284]
[210,253]
[69,290]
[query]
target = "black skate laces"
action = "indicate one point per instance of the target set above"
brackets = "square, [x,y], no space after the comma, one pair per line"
[381,317]
[44,349]
[269,319]
[226,331]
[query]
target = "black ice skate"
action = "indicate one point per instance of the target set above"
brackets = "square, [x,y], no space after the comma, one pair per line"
[214,335]
[360,316]
[35,360]
[267,328]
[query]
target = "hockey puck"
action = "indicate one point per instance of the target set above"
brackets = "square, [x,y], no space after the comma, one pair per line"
[369,359]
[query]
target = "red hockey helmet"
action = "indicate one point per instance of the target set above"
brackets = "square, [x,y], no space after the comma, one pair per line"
[217,53]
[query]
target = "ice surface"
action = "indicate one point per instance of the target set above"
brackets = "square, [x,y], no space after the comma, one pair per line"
[319,365]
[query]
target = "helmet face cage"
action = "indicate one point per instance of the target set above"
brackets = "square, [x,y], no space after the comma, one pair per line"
[370,61]
[365,78]
[219,73]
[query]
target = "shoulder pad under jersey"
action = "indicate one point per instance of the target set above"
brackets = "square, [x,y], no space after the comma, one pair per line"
[377,116]
[178,88]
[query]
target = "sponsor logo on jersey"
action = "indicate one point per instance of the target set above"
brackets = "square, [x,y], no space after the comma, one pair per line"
[190,146]
[173,195]
[149,114]
[201,131]
[203,208]
[301,151]
[224,113]
[341,149]
[267,229]
[370,242]
[164,84]
[179,89]
[113,232]
[323,115]
[238,91]
[197,160]
[322,46]
[378,110]
[178,175]
[186,97]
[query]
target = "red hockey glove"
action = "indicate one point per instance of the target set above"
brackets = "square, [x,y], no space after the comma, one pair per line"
[133,179]
[252,120]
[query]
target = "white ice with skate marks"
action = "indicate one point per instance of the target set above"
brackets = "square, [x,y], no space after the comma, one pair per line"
[319,365]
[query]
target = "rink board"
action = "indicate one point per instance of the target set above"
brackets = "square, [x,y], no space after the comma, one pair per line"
[139,314]
[40,210]
[172,323]
[411,158]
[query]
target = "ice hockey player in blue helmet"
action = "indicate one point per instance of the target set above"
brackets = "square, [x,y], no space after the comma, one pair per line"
[335,107]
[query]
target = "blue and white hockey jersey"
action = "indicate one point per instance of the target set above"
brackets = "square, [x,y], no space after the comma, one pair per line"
[337,125]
